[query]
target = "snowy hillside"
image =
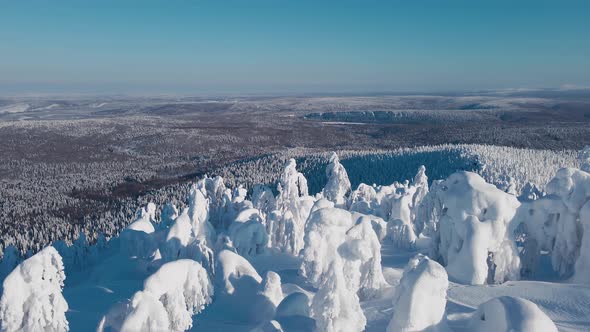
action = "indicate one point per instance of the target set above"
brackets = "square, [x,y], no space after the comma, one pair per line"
[455,253]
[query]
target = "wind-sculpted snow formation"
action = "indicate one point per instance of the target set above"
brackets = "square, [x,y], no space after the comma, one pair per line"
[298,262]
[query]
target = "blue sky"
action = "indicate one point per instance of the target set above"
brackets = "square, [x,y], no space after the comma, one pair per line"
[275,46]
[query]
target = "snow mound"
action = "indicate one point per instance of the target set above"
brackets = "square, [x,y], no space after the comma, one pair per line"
[295,304]
[230,268]
[508,313]
[271,288]
[423,285]
[32,298]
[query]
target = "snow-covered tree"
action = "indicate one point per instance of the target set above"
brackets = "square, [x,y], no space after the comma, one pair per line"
[32,299]
[420,299]
[584,159]
[294,205]
[198,212]
[169,299]
[338,185]
[335,307]
[476,230]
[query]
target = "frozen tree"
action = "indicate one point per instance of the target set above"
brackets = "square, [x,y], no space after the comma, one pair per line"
[584,158]
[198,212]
[423,286]
[247,232]
[168,215]
[178,238]
[508,313]
[476,230]
[582,267]
[335,307]
[32,299]
[136,239]
[263,199]
[332,234]
[294,205]
[169,299]
[325,233]
[362,246]
[338,185]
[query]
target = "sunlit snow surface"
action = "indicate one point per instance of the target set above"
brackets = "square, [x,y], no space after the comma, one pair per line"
[90,294]
[325,266]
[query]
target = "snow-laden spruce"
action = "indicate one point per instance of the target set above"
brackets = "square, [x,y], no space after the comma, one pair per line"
[335,307]
[476,230]
[137,239]
[293,206]
[332,234]
[420,299]
[338,185]
[32,299]
[169,299]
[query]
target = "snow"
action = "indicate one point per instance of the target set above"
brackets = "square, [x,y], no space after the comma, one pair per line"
[169,299]
[230,268]
[476,230]
[335,307]
[341,261]
[423,285]
[338,185]
[32,297]
[508,313]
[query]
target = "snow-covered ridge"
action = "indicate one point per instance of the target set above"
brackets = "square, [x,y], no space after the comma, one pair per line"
[293,261]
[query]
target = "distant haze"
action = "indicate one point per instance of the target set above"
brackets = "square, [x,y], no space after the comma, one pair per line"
[274,46]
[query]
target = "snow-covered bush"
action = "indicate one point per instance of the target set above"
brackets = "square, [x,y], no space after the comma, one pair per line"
[335,307]
[476,230]
[420,299]
[338,185]
[32,299]
[169,299]
[508,313]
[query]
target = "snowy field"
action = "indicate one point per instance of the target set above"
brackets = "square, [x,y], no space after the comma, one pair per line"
[456,254]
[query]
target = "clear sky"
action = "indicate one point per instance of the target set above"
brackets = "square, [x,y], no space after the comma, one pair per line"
[275,46]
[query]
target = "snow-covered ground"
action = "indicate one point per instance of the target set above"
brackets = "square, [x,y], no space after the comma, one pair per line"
[457,254]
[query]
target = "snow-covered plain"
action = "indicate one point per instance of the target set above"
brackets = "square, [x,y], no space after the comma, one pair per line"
[455,254]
